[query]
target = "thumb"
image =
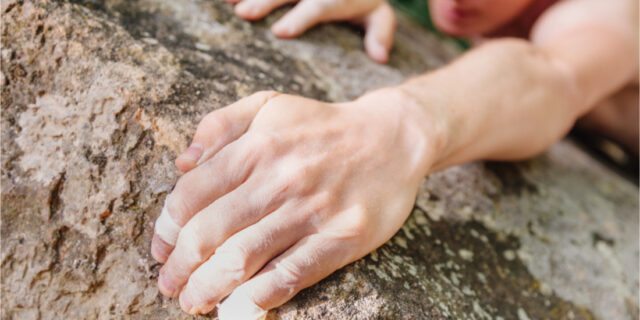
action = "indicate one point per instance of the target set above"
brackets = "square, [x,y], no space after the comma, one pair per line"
[380,26]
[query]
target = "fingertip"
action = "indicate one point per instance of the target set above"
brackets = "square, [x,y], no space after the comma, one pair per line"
[245,10]
[165,286]
[381,58]
[160,249]
[380,27]
[239,305]
[184,165]
[190,304]
[282,30]
[377,52]
[186,302]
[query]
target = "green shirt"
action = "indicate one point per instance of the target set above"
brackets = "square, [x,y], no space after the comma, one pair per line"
[418,10]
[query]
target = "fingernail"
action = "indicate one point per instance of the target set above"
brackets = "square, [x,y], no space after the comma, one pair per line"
[166,285]
[193,153]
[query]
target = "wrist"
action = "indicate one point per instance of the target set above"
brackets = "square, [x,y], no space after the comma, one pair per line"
[422,132]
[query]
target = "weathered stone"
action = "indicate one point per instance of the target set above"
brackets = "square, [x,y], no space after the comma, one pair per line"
[98,97]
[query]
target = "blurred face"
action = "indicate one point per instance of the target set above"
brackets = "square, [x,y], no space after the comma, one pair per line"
[467,18]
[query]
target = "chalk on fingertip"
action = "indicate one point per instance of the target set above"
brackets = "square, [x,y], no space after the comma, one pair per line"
[238,306]
[166,228]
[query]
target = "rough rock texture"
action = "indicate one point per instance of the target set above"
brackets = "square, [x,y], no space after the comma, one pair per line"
[99,96]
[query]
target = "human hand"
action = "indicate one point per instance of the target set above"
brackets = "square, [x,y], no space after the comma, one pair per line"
[279,192]
[376,16]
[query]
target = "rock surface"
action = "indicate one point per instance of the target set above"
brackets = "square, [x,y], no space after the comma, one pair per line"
[98,97]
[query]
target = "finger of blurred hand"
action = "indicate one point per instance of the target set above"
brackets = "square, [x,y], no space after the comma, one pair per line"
[256,9]
[240,257]
[303,16]
[380,26]
[221,127]
[225,171]
[307,262]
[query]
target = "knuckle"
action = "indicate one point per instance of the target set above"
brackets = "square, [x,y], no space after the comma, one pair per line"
[266,144]
[266,93]
[177,206]
[216,120]
[298,181]
[323,200]
[291,274]
[192,242]
[278,103]
[299,174]
[277,111]
[235,262]
[356,223]
[262,139]
[265,97]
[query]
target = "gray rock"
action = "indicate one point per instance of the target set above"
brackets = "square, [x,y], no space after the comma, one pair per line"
[98,97]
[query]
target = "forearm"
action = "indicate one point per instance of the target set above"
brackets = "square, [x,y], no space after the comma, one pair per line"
[502,101]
